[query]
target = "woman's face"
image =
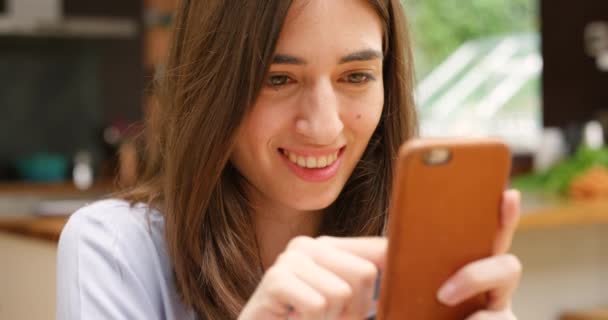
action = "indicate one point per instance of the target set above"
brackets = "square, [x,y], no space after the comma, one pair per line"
[319,105]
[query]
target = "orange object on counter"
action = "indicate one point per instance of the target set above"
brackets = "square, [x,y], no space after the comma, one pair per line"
[591,185]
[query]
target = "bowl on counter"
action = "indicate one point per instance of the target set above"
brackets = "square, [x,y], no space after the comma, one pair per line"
[43,167]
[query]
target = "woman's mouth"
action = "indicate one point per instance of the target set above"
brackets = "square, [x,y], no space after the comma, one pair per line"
[317,167]
[312,162]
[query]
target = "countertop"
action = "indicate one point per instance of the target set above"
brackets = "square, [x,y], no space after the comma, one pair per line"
[46,226]
[538,212]
[594,314]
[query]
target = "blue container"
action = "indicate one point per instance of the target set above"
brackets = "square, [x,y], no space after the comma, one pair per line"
[43,168]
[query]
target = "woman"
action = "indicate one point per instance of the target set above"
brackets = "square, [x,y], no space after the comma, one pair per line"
[279,122]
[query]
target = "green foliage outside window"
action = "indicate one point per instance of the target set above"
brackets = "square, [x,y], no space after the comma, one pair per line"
[440,26]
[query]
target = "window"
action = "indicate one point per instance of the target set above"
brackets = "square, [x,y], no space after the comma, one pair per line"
[478,66]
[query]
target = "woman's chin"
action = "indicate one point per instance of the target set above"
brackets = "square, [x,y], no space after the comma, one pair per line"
[315,203]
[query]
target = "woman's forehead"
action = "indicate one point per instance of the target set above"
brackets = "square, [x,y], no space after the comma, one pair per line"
[336,27]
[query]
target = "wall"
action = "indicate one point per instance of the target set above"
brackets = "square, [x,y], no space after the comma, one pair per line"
[564,269]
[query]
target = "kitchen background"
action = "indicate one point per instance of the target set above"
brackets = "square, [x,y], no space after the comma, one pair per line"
[76,79]
[72,72]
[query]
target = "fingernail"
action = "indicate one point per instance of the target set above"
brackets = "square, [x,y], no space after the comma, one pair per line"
[447,293]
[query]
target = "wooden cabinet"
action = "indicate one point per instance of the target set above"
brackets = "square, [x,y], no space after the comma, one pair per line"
[597,314]
[27,278]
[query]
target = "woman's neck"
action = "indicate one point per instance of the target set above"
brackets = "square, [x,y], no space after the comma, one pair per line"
[275,225]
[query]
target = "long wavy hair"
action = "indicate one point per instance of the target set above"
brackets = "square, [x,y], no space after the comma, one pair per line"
[220,55]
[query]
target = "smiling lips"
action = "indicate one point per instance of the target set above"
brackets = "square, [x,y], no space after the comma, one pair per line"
[313,168]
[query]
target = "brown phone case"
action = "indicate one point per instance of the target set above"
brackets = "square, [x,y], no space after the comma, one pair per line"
[443,215]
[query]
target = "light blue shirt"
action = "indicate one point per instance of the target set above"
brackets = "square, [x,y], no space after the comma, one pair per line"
[112,264]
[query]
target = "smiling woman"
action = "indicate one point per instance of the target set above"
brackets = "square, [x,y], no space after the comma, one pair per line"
[320,99]
[279,122]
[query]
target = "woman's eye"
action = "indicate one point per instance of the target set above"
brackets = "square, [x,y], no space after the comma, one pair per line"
[277,81]
[359,78]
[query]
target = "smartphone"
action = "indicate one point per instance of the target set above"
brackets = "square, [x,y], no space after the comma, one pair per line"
[444,213]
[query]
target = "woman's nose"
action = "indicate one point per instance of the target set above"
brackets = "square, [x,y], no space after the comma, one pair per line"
[319,118]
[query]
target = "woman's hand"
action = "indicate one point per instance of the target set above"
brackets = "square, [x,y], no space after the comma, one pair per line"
[324,278]
[498,275]
[334,278]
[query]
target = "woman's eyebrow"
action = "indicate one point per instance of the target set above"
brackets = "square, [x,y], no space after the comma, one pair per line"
[287,59]
[362,55]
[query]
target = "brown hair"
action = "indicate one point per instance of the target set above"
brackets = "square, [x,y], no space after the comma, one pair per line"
[221,53]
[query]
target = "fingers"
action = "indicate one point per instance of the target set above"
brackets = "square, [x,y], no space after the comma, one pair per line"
[359,273]
[498,275]
[509,219]
[371,248]
[335,291]
[493,315]
[285,288]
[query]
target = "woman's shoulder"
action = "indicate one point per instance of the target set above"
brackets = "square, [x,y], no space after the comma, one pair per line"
[128,230]
[112,261]
[117,214]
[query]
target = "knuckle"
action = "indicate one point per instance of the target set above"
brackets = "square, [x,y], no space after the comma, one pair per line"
[294,259]
[287,257]
[273,273]
[318,305]
[272,280]
[341,293]
[305,260]
[299,243]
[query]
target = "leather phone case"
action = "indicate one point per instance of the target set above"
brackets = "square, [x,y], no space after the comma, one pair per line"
[442,217]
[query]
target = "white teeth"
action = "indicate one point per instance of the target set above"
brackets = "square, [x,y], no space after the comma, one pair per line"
[293,158]
[311,162]
[332,157]
[301,162]
[322,162]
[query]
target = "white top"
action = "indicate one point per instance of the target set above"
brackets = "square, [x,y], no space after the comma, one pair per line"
[112,264]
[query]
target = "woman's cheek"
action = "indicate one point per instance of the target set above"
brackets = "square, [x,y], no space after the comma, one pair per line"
[366,112]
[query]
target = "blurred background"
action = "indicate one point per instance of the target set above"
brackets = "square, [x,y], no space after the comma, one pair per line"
[76,81]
